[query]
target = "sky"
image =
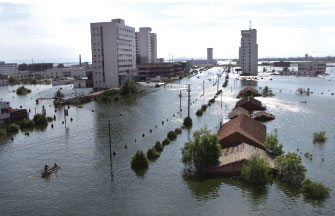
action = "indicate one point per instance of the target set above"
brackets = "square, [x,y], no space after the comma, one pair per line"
[58,31]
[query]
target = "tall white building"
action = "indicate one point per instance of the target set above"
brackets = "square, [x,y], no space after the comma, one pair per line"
[248,52]
[8,68]
[209,55]
[146,46]
[113,53]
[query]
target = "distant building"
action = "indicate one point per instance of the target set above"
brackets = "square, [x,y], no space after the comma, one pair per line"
[57,73]
[8,68]
[4,112]
[312,68]
[3,80]
[9,115]
[161,71]
[21,75]
[282,64]
[248,52]
[160,60]
[113,53]
[146,46]
[210,55]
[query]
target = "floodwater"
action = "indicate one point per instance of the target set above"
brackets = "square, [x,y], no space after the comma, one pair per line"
[89,184]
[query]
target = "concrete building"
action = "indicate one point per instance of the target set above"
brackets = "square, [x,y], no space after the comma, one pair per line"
[312,68]
[57,73]
[4,112]
[210,55]
[3,80]
[113,53]
[9,115]
[20,75]
[146,46]
[248,52]
[8,68]
[161,71]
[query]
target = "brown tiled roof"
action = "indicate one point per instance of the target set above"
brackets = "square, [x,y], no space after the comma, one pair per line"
[237,111]
[242,129]
[249,91]
[250,104]
[263,116]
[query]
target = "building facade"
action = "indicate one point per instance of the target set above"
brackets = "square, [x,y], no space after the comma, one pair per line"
[210,55]
[113,53]
[3,80]
[248,52]
[8,68]
[146,46]
[75,72]
[161,71]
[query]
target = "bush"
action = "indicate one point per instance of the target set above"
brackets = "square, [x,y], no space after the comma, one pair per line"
[204,107]
[80,106]
[201,152]
[2,132]
[211,101]
[267,92]
[256,171]
[172,135]
[314,190]
[272,146]
[139,161]
[50,119]
[225,84]
[319,137]
[40,119]
[188,122]
[116,98]
[178,131]
[128,88]
[13,128]
[22,91]
[58,95]
[157,86]
[290,169]
[166,141]
[158,146]
[105,97]
[199,112]
[153,154]
[27,123]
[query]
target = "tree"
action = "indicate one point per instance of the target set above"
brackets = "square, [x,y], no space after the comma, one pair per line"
[172,135]
[13,128]
[27,123]
[256,171]
[22,90]
[314,190]
[188,122]
[158,146]
[59,95]
[153,154]
[40,119]
[201,152]
[139,161]
[60,66]
[319,137]
[290,169]
[128,88]
[272,146]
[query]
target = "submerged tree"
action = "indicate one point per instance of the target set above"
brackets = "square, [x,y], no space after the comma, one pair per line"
[319,137]
[256,171]
[202,152]
[128,88]
[59,95]
[272,145]
[314,190]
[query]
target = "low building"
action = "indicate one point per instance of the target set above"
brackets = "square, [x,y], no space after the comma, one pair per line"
[8,68]
[237,111]
[4,112]
[263,116]
[18,114]
[312,68]
[242,129]
[9,115]
[21,75]
[282,64]
[164,71]
[250,104]
[3,80]
[74,72]
[248,92]
[80,82]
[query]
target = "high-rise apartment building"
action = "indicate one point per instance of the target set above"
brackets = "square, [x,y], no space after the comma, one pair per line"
[248,52]
[146,46]
[209,55]
[113,53]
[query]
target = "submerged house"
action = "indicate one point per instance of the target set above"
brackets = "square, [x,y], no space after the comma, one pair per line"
[246,92]
[250,104]
[240,138]
[263,116]
[237,111]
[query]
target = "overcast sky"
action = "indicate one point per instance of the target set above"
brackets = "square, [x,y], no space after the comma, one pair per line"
[49,30]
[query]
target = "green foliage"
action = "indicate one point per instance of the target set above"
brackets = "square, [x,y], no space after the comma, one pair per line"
[28,81]
[105,97]
[272,145]
[290,169]
[314,190]
[178,131]
[203,151]
[117,98]
[157,85]
[188,122]
[59,95]
[13,128]
[225,84]
[40,119]
[319,137]
[22,91]
[172,135]
[27,123]
[256,171]
[204,107]
[2,132]
[153,154]
[219,92]
[128,88]
[267,92]
[158,146]
[199,112]
[80,106]
[50,119]
[166,141]
[211,100]
[139,161]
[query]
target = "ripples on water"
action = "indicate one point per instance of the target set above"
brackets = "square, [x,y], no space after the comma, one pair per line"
[88,184]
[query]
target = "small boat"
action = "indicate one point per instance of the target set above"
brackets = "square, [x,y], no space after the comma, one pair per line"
[50,171]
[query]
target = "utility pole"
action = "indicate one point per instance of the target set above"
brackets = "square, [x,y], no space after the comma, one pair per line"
[203,87]
[217,88]
[189,99]
[110,140]
[180,101]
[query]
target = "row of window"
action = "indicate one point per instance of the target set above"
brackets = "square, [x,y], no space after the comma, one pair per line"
[125,55]
[125,50]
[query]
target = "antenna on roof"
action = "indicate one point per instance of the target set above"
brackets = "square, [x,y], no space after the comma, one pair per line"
[250,24]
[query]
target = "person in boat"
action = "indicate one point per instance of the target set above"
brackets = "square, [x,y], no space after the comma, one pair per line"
[46,168]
